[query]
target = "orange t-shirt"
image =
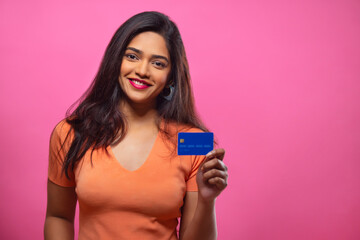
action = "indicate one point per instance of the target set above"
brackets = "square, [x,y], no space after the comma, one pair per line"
[116,203]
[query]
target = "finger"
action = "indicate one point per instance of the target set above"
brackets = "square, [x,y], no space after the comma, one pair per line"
[214,173]
[218,182]
[218,153]
[214,163]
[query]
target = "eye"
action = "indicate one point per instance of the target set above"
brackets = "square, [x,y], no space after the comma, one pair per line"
[159,64]
[131,56]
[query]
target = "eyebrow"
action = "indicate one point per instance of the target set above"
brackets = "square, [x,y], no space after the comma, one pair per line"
[141,52]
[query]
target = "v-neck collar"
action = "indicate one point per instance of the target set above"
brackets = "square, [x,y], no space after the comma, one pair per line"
[148,158]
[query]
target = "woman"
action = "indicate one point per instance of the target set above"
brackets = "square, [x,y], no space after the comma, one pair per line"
[116,153]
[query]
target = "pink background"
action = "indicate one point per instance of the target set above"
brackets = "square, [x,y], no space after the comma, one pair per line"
[277,81]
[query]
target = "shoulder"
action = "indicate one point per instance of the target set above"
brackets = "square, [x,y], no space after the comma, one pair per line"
[61,131]
[173,128]
[170,130]
[192,129]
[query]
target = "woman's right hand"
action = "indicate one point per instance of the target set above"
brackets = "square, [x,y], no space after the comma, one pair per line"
[212,175]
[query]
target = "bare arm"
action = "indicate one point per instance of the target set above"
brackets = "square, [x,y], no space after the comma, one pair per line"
[198,220]
[60,212]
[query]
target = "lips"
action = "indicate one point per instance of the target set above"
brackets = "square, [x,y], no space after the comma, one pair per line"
[139,84]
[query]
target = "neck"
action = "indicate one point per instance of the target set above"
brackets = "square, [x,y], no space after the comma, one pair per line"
[139,114]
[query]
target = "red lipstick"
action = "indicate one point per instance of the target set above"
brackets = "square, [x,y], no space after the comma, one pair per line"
[138,84]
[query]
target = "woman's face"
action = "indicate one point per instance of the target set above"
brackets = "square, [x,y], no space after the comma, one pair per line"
[145,68]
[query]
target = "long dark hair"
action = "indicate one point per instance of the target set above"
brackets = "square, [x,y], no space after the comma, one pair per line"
[97,122]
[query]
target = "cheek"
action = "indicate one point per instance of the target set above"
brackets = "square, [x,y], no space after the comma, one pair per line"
[124,69]
[162,78]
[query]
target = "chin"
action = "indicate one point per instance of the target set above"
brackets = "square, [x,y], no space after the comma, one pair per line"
[140,100]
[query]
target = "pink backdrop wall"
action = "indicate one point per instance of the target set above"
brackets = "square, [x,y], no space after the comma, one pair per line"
[277,81]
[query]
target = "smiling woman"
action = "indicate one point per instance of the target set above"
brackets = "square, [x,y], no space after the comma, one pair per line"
[116,152]
[145,68]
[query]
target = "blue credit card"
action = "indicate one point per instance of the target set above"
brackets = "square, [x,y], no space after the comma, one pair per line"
[199,143]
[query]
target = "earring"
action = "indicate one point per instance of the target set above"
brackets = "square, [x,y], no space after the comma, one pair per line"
[170,95]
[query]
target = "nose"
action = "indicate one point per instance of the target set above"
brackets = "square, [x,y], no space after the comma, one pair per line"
[142,69]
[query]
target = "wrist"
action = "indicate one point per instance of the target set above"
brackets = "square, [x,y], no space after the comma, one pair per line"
[206,202]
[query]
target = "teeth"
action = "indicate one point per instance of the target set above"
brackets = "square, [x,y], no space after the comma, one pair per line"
[138,83]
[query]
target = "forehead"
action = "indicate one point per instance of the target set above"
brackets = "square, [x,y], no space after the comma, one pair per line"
[150,43]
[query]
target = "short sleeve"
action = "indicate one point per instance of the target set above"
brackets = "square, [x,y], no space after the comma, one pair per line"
[57,152]
[191,185]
